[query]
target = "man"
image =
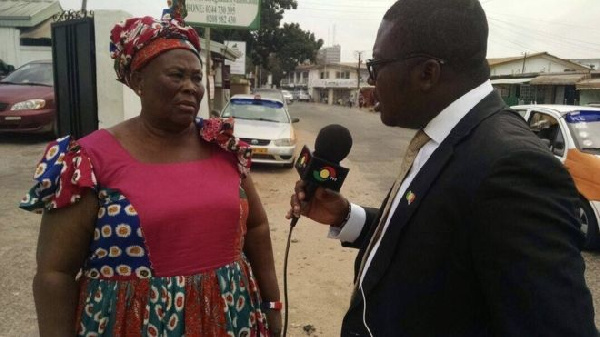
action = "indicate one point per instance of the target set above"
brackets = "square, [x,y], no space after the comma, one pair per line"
[480,237]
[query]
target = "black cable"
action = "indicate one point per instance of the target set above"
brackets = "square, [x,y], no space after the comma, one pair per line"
[285,287]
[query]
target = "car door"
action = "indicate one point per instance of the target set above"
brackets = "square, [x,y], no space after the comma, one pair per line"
[551,131]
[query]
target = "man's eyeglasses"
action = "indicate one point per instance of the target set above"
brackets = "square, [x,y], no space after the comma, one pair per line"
[373,65]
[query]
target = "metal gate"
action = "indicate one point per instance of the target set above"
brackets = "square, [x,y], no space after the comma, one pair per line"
[74,61]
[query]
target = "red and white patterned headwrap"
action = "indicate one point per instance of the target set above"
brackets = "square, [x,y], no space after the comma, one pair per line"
[136,41]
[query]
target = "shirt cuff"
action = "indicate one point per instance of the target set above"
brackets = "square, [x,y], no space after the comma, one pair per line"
[351,230]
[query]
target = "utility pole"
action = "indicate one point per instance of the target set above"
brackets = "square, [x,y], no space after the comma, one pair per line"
[524,58]
[359,54]
[83,5]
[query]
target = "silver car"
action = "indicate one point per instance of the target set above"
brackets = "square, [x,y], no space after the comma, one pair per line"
[266,125]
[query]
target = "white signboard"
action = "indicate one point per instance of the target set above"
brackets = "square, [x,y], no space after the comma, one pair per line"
[236,14]
[238,67]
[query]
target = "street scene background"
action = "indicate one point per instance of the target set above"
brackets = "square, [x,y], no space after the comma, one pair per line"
[320,270]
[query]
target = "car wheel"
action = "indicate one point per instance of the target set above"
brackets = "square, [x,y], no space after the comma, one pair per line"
[589,225]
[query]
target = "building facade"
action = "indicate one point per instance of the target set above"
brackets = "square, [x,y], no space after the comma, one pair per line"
[332,83]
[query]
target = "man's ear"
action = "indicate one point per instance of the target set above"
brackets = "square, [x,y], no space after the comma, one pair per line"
[136,81]
[429,74]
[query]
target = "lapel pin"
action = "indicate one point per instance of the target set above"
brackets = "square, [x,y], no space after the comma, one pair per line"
[410,197]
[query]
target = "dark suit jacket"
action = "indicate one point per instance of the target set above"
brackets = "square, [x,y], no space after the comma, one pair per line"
[489,247]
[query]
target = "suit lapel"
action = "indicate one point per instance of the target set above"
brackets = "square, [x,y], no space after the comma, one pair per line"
[417,191]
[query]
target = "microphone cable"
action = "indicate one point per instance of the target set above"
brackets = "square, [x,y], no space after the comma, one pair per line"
[293,223]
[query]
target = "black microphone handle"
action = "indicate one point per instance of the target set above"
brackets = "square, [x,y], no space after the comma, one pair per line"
[309,192]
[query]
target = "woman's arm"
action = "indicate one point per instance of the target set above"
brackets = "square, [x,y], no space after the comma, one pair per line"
[63,245]
[259,251]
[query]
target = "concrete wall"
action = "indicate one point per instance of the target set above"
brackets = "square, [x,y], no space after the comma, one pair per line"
[33,53]
[116,102]
[9,47]
[535,65]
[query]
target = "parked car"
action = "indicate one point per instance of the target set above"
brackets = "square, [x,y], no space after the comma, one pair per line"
[288,96]
[572,133]
[303,96]
[27,99]
[266,125]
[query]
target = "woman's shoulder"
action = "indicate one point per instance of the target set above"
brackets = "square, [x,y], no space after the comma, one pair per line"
[64,170]
[221,132]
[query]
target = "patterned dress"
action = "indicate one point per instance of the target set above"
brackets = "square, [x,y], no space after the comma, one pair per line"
[166,257]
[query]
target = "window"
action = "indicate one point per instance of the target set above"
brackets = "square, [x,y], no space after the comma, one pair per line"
[324,75]
[342,75]
[548,130]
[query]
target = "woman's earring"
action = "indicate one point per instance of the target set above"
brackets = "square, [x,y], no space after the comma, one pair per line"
[139,92]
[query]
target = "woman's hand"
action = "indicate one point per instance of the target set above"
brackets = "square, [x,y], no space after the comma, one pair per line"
[274,321]
[325,206]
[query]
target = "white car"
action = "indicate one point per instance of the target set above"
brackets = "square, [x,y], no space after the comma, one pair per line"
[573,135]
[266,125]
[289,98]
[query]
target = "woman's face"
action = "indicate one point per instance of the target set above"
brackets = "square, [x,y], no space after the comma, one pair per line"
[170,88]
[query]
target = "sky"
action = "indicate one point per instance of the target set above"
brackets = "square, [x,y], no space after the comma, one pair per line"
[564,28]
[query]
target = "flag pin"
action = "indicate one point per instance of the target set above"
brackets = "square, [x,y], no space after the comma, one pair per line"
[410,197]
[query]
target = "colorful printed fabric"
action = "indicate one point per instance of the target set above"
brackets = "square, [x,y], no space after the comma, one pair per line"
[121,292]
[62,175]
[220,131]
[129,37]
[224,302]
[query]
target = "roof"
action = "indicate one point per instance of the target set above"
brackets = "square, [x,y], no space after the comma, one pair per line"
[558,79]
[510,80]
[497,61]
[589,84]
[21,13]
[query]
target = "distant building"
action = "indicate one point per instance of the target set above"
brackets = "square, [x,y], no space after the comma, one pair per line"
[25,30]
[329,55]
[332,83]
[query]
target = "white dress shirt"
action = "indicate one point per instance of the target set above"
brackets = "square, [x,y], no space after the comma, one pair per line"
[438,129]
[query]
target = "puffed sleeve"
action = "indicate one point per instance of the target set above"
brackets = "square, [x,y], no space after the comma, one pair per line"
[220,131]
[63,174]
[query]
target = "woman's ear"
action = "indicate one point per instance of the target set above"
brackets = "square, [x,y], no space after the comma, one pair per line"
[136,82]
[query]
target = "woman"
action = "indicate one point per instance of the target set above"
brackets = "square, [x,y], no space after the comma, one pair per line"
[150,227]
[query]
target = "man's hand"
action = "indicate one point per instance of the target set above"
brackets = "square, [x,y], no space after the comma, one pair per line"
[326,206]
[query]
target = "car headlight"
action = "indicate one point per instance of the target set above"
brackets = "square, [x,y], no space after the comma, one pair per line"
[30,104]
[284,142]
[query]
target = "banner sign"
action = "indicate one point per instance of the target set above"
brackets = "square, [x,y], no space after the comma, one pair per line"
[238,67]
[233,14]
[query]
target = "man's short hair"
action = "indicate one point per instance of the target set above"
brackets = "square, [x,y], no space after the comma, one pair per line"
[454,30]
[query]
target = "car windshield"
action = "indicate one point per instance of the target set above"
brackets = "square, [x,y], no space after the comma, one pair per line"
[585,128]
[34,73]
[269,93]
[256,109]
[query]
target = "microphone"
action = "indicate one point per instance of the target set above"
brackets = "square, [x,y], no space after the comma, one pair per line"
[322,168]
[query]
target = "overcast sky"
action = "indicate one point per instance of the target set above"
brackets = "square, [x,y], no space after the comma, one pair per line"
[565,28]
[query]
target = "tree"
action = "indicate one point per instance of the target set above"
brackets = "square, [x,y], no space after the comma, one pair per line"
[293,46]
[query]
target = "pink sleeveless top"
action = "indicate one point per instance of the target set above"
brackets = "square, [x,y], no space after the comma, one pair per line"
[189,212]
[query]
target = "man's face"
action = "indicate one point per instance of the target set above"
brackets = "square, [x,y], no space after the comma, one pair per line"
[398,98]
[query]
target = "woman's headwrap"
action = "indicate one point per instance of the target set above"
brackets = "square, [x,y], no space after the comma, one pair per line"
[136,41]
